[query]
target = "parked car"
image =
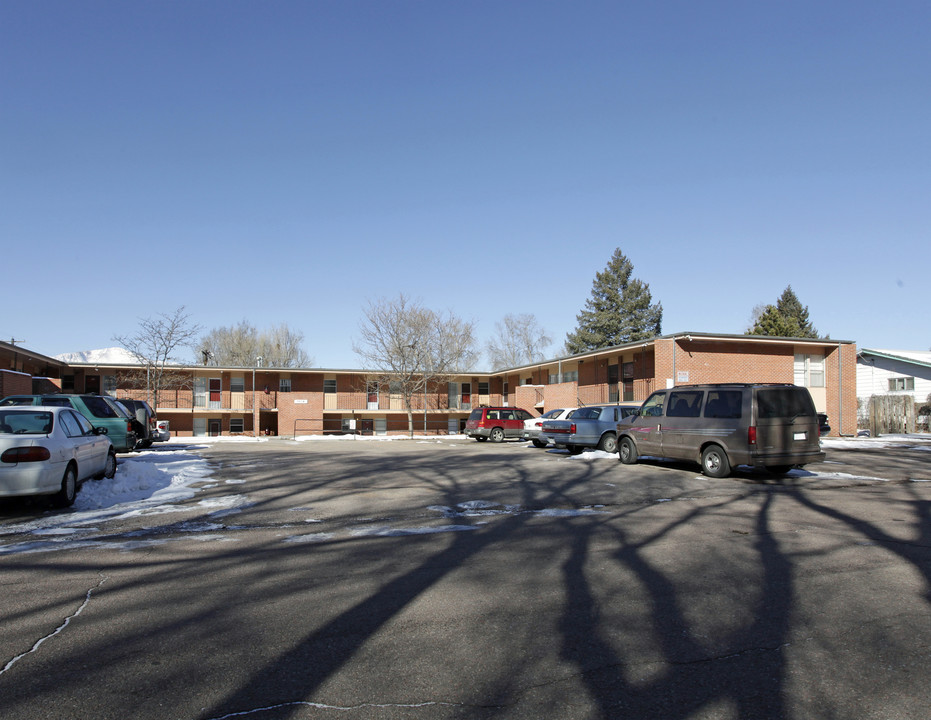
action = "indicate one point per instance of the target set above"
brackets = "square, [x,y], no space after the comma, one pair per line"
[533,426]
[593,426]
[144,420]
[496,423]
[722,426]
[100,410]
[824,427]
[162,432]
[51,451]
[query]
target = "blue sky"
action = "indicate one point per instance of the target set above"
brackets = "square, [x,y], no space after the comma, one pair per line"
[288,162]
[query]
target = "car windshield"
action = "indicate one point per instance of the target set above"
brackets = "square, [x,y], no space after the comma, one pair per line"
[588,413]
[38,422]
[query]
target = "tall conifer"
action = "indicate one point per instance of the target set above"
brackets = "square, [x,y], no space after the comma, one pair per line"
[620,310]
[787,318]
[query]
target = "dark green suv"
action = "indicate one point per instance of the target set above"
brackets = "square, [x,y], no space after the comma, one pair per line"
[100,410]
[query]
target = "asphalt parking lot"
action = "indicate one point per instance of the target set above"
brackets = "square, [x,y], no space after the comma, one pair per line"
[451,579]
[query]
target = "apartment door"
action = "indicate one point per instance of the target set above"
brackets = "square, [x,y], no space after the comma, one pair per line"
[213,427]
[215,395]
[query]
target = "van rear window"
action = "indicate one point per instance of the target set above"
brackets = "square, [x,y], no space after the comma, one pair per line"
[787,402]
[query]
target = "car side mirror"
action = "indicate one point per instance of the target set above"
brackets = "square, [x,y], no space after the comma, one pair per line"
[101,431]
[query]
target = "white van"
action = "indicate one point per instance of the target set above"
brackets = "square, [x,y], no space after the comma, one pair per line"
[773,426]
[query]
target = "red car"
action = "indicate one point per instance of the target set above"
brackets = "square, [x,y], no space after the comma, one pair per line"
[496,423]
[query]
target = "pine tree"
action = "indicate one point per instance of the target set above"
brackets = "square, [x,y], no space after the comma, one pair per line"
[619,310]
[787,318]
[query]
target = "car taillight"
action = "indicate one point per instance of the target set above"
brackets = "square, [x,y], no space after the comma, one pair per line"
[751,434]
[25,454]
[572,429]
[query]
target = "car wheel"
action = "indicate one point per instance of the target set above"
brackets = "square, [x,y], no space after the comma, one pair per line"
[714,462]
[480,438]
[778,469]
[608,443]
[496,435]
[574,449]
[627,451]
[69,489]
[109,469]
[539,443]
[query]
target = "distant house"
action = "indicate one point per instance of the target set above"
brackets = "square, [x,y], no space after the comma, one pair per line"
[893,372]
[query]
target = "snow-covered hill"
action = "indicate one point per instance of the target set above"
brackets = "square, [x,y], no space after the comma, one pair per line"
[113,355]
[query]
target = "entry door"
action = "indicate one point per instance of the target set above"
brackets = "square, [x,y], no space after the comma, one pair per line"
[213,427]
[200,392]
[215,396]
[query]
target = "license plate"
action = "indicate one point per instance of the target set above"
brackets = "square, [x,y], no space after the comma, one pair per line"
[800,436]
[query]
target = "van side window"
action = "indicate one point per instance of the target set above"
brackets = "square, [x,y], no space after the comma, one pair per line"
[723,404]
[684,403]
[653,407]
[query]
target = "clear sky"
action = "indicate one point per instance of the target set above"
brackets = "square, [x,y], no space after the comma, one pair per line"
[288,162]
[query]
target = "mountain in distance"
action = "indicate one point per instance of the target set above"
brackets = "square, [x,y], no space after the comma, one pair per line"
[104,356]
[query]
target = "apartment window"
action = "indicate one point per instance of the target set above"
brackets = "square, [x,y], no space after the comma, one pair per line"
[67,383]
[809,370]
[483,388]
[284,384]
[236,425]
[109,385]
[237,384]
[329,386]
[570,376]
[552,379]
[902,384]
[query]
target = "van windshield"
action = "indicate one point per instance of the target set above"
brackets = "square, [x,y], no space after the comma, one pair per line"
[787,402]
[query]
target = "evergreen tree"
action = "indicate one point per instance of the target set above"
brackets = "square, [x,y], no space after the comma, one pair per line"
[619,310]
[787,318]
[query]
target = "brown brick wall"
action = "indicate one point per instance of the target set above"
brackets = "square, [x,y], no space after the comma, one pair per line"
[14,383]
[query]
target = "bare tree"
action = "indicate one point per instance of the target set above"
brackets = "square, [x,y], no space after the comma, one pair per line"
[410,348]
[520,341]
[155,345]
[240,345]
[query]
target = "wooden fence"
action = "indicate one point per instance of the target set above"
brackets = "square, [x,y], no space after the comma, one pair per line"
[891,414]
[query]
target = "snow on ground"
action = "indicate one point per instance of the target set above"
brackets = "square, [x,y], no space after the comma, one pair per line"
[153,482]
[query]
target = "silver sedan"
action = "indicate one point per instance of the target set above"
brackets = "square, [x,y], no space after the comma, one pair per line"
[51,451]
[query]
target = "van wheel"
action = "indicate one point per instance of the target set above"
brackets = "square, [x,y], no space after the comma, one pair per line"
[714,462]
[627,451]
[496,435]
[778,469]
[69,489]
[608,443]
[539,443]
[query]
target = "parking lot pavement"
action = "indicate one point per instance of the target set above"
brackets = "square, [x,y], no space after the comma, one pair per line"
[449,579]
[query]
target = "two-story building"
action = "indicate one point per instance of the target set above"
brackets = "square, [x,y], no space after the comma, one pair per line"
[205,400]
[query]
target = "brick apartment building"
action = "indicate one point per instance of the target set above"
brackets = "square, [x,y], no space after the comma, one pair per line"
[205,400]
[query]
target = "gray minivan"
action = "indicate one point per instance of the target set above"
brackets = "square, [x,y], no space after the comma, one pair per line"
[771,425]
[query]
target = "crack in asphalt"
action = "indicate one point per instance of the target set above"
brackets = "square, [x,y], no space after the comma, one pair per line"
[349,708]
[60,628]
